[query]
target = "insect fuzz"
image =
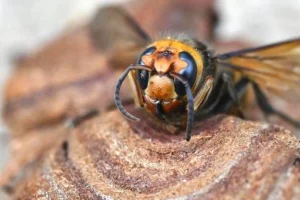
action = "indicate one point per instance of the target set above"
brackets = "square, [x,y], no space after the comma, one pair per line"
[165,79]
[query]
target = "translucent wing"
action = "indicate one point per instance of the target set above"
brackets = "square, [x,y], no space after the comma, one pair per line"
[115,32]
[275,67]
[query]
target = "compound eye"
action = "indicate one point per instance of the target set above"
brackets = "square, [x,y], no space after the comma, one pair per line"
[143,75]
[189,73]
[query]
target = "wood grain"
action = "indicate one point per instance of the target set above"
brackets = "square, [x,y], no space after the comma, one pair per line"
[227,158]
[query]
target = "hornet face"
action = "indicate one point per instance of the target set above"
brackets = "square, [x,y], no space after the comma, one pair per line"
[163,94]
[172,78]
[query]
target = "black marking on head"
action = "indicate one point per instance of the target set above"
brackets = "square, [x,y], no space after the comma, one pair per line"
[165,54]
[148,51]
[143,75]
[189,73]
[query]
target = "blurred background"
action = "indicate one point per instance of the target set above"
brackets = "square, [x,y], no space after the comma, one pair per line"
[25,26]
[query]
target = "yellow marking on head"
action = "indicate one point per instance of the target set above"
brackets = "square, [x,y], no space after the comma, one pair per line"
[176,46]
[160,88]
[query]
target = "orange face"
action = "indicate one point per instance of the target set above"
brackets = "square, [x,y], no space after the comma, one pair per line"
[162,94]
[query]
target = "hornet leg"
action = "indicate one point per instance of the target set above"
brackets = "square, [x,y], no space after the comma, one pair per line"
[229,95]
[233,93]
[267,108]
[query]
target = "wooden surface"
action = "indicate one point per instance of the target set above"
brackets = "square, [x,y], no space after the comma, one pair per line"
[227,158]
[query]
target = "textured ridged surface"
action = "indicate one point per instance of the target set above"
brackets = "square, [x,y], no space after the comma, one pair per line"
[63,80]
[111,158]
[27,150]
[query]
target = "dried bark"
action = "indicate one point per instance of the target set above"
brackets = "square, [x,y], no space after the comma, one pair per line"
[227,158]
